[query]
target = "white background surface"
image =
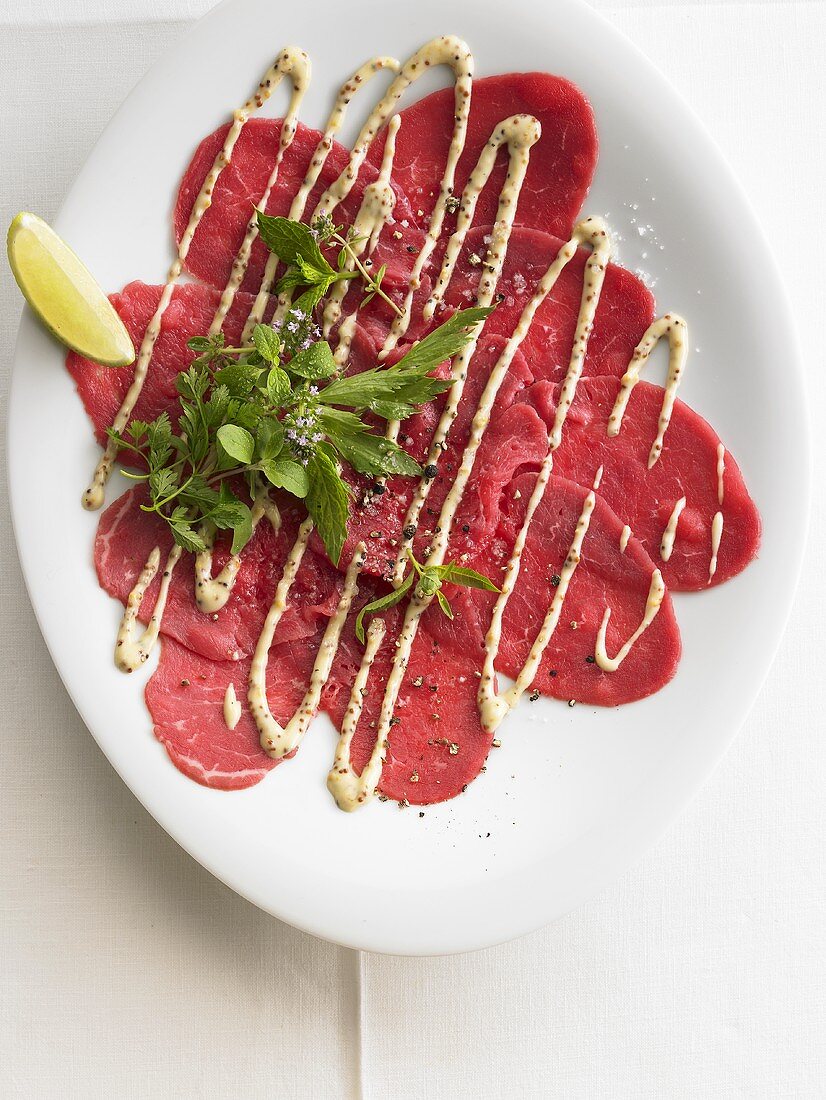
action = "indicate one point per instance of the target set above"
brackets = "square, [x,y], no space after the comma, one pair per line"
[126,970]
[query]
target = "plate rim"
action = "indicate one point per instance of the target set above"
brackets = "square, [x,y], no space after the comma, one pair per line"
[634,847]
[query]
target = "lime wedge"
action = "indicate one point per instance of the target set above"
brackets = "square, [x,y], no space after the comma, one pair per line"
[63,294]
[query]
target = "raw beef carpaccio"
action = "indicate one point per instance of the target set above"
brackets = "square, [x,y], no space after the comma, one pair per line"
[189,313]
[514,436]
[186,700]
[608,576]
[126,537]
[645,498]
[436,743]
[562,161]
[239,189]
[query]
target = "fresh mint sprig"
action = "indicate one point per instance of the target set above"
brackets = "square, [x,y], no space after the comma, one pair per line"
[298,246]
[428,580]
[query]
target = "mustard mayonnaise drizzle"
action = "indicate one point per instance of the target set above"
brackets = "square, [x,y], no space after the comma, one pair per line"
[516,135]
[291,63]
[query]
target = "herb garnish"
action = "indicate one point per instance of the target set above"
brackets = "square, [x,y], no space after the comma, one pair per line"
[278,412]
[299,248]
[429,580]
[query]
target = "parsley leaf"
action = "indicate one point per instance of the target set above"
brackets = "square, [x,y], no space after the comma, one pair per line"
[445,341]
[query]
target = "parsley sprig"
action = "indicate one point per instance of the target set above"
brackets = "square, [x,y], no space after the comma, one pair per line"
[278,412]
[428,580]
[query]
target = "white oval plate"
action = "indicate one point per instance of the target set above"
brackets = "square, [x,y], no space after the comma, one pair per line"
[573,796]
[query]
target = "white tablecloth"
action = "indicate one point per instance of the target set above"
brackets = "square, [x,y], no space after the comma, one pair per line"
[126,970]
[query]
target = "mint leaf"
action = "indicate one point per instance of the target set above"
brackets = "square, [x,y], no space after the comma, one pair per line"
[445,606]
[311,275]
[285,473]
[237,443]
[468,578]
[374,455]
[382,604]
[380,384]
[269,439]
[290,281]
[266,343]
[240,379]
[395,392]
[313,363]
[278,387]
[327,503]
[291,242]
[309,300]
